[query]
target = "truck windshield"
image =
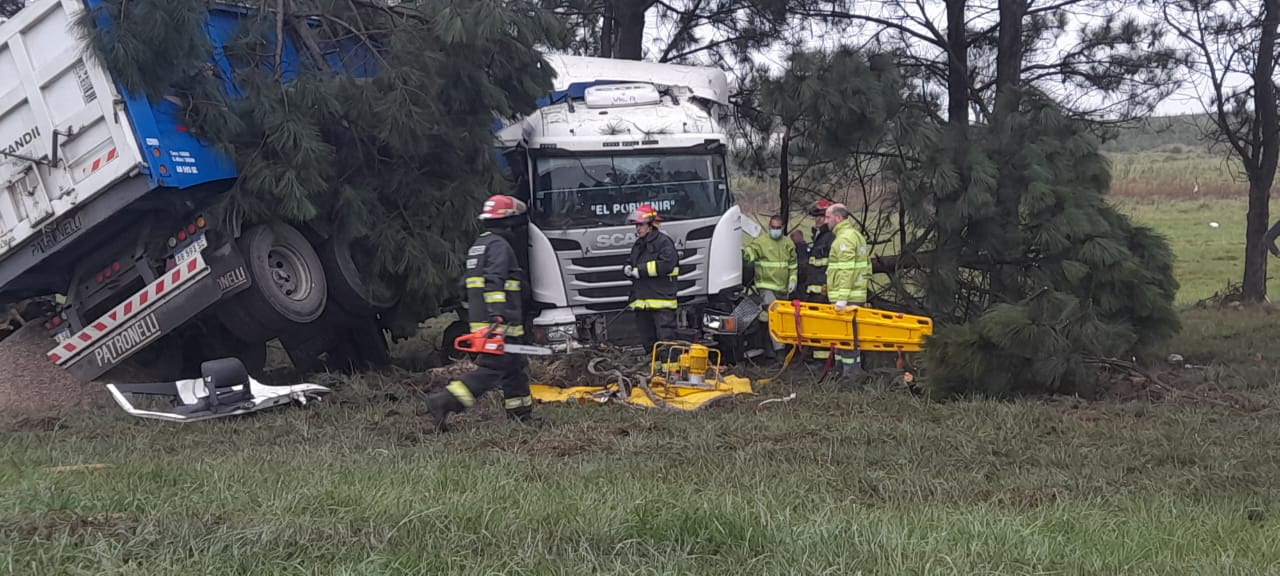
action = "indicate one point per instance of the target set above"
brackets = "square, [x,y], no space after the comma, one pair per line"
[581,191]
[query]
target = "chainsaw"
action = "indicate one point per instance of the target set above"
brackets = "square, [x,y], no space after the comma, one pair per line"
[486,341]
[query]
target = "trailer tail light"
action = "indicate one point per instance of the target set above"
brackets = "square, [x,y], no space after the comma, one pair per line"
[191,229]
[182,235]
[98,278]
[115,267]
[173,242]
[200,222]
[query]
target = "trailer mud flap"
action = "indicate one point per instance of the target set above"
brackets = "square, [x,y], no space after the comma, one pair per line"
[145,317]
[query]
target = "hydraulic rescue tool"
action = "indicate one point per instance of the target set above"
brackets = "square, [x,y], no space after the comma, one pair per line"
[489,341]
[685,366]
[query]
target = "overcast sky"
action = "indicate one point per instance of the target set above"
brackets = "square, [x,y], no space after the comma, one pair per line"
[1187,100]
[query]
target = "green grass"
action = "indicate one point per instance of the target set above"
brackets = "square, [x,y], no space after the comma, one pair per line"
[838,481]
[834,482]
[1207,259]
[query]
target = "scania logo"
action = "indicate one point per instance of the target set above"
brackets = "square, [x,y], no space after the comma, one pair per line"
[616,239]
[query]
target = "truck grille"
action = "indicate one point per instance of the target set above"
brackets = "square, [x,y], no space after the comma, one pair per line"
[597,282]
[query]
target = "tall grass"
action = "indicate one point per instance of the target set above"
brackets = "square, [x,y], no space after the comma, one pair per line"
[834,482]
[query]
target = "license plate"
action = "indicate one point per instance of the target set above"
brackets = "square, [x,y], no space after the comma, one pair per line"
[197,245]
[63,335]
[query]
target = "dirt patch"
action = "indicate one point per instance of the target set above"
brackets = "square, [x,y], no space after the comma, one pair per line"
[1187,387]
[30,383]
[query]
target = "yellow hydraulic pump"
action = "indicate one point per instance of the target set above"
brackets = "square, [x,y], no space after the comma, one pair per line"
[691,367]
[855,328]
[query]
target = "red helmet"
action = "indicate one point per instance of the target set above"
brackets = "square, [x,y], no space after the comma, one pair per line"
[643,214]
[820,207]
[501,206]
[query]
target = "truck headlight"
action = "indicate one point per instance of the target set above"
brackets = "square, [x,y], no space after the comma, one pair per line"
[718,323]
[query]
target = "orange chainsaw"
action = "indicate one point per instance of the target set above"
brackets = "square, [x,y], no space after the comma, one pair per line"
[486,341]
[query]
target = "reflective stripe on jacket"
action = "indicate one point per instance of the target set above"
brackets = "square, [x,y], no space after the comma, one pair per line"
[493,285]
[658,263]
[849,266]
[775,262]
[815,281]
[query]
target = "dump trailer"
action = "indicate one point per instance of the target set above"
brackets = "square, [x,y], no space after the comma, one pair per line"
[103,209]
[612,135]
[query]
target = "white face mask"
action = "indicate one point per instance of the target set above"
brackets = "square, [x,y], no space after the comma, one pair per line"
[775,233]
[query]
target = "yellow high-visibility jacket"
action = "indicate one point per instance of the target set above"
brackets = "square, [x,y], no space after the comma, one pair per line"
[849,266]
[775,262]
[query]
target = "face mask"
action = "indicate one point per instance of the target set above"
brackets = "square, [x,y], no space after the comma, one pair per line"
[775,233]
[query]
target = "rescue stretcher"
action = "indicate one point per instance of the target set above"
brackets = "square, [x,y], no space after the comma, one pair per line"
[814,325]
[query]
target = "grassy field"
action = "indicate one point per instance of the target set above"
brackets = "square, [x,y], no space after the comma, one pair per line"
[837,481]
[1207,259]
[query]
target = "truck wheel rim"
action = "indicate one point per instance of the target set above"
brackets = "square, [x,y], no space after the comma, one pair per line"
[290,273]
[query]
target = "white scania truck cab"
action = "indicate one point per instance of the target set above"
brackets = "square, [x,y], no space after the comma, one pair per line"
[615,134]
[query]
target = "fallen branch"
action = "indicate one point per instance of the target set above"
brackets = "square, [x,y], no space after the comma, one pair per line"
[1169,391]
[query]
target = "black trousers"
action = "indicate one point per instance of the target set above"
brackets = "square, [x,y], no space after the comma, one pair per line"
[656,326]
[509,372]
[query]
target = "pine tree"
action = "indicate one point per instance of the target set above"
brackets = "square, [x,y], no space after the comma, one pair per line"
[811,126]
[1087,282]
[1004,235]
[402,158]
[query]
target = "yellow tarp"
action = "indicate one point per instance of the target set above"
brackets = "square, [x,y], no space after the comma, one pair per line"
[679,398]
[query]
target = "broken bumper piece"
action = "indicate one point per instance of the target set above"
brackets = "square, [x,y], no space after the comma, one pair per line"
[225,389]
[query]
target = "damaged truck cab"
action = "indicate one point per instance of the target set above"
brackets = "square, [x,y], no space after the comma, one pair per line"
[612,135]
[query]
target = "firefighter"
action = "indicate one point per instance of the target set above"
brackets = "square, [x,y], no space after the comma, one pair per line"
[815,285]
[774,257]
[653,268]
[802,260]
[848,270]
[494,279]
[815,278]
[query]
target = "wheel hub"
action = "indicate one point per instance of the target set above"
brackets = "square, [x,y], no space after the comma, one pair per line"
[289,273]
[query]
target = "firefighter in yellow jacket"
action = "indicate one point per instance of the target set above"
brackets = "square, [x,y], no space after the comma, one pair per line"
[776,267]
[848,271]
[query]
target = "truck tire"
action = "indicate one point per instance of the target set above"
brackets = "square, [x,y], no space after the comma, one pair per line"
[216,341]
[161,361]
[363,347]
[289,284]
[352,287]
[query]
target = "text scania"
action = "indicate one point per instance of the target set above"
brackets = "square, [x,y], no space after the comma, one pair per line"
[616,239]
[24,140]
[124,343]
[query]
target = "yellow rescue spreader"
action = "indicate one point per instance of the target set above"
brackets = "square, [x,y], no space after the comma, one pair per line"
[854,328]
